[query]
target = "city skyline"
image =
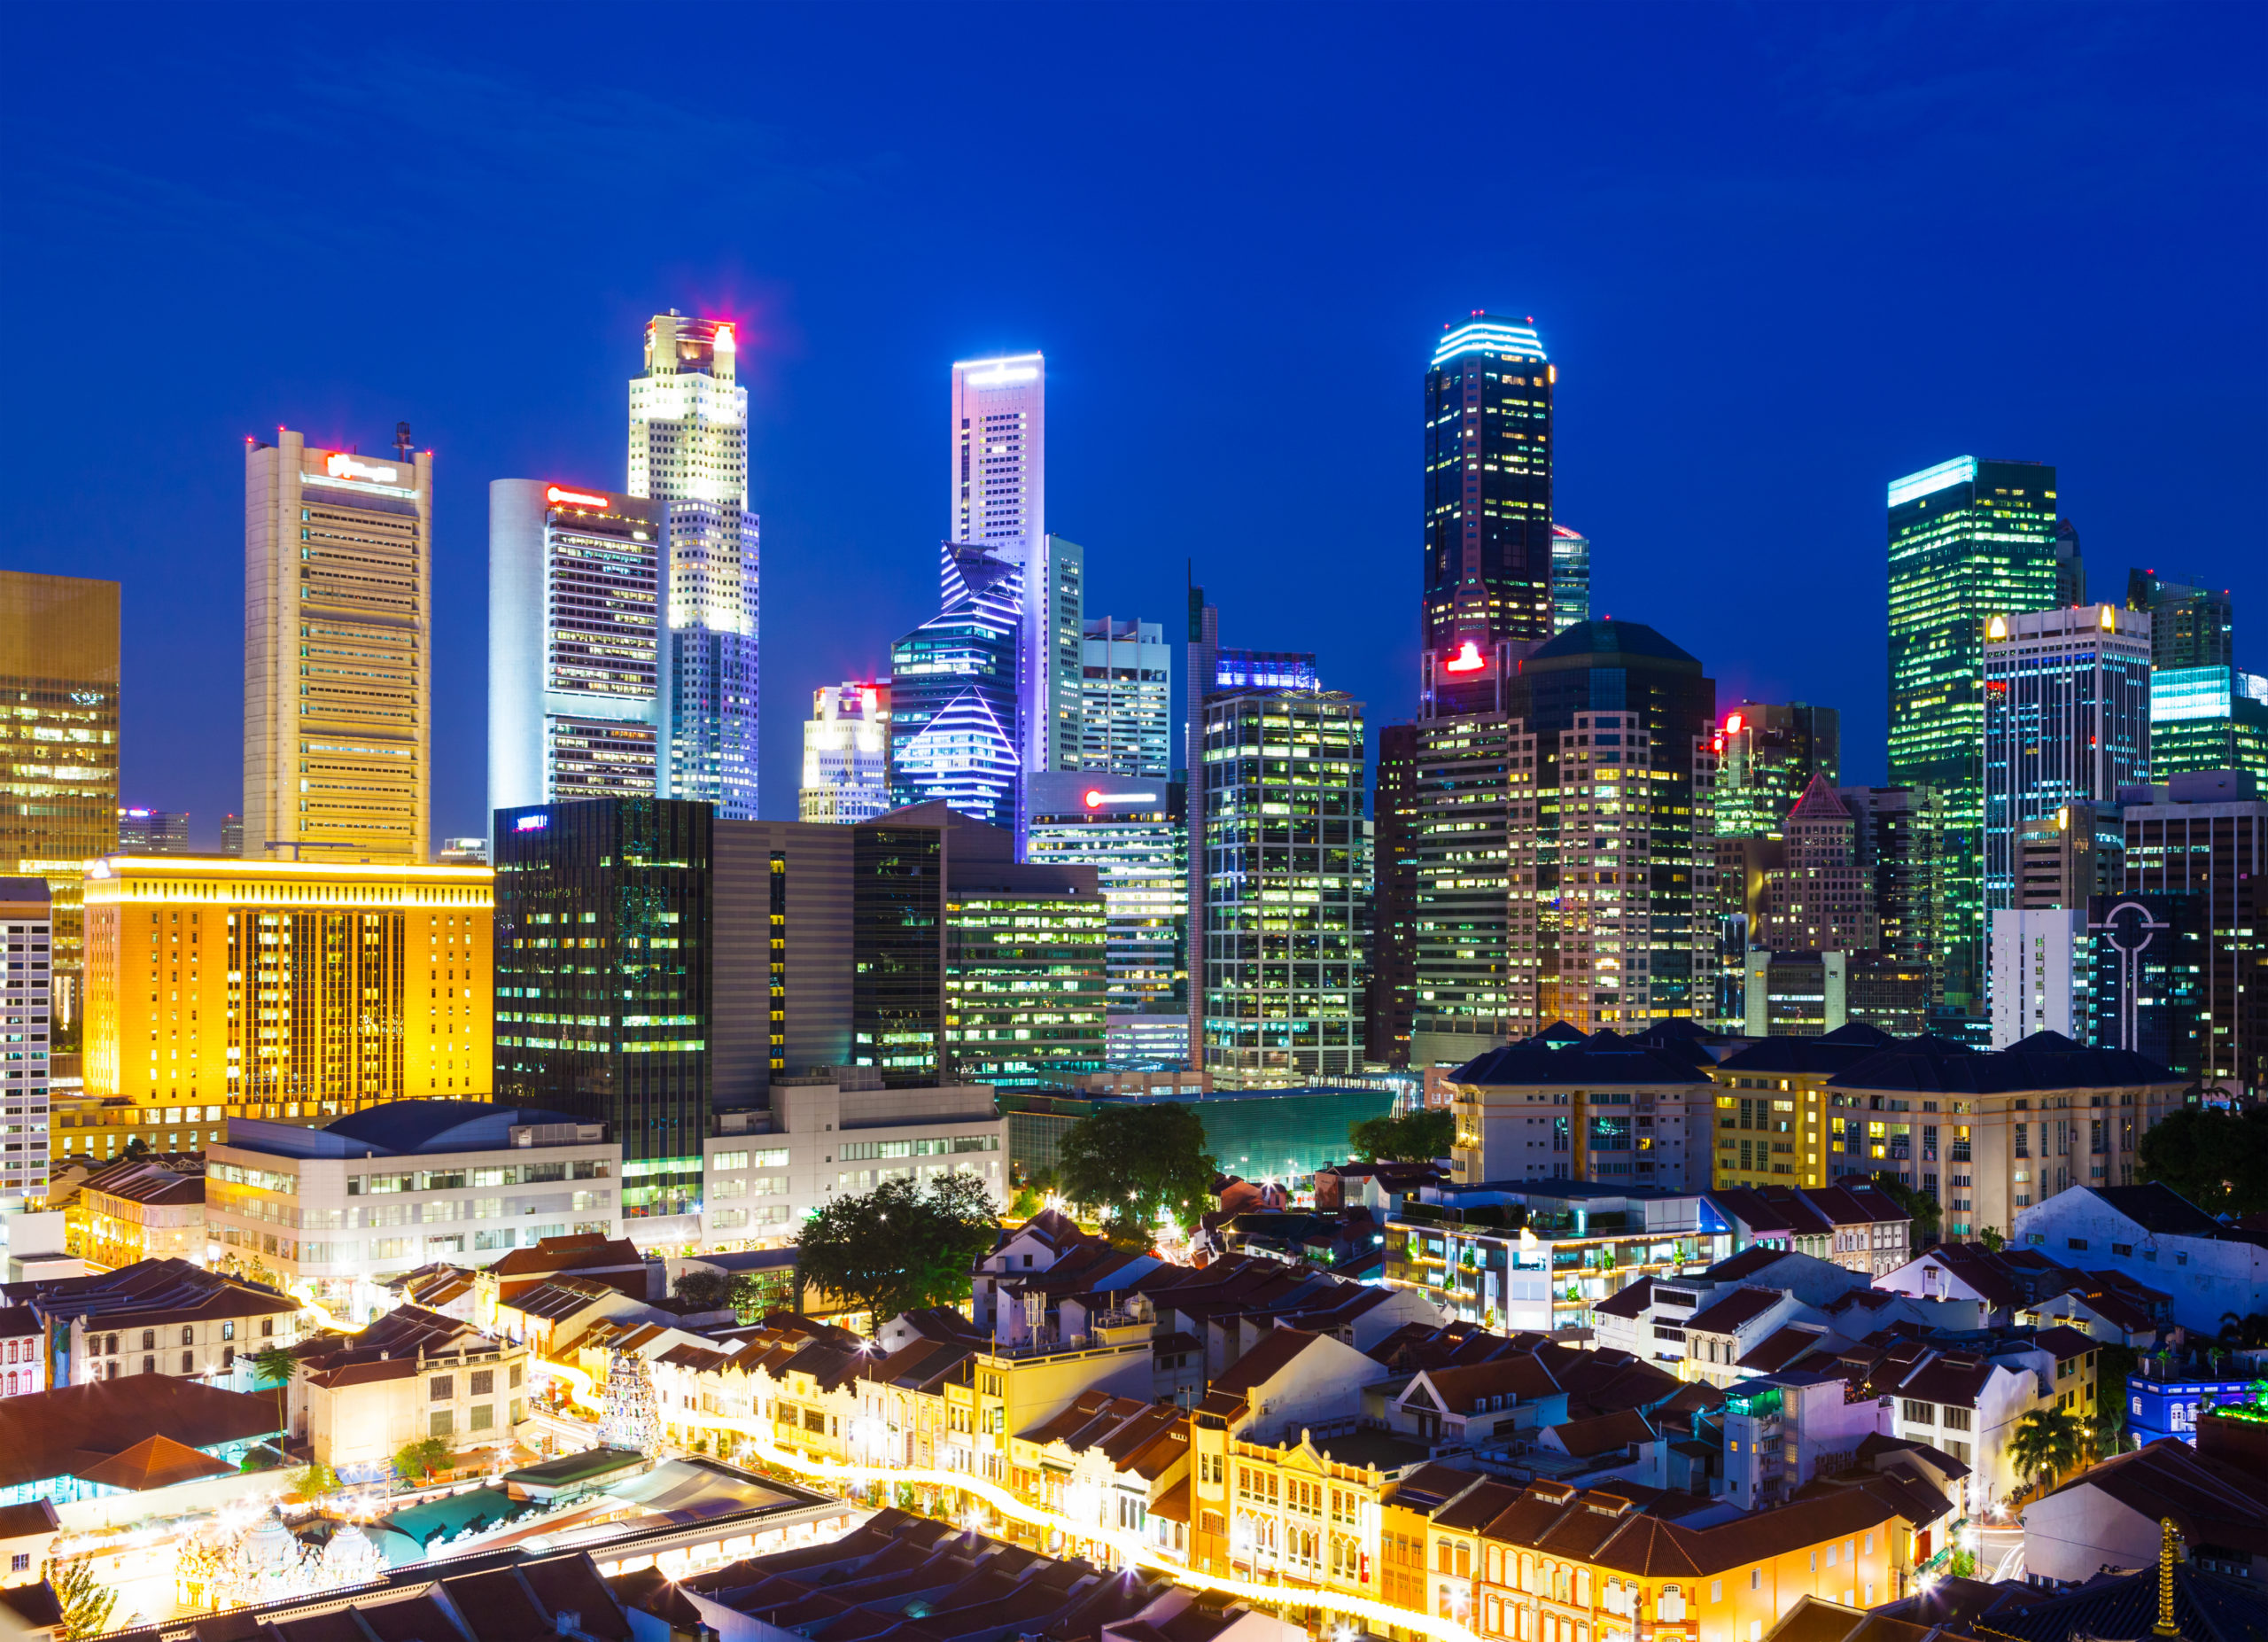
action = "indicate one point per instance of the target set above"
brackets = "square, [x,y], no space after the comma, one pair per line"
[1626,341]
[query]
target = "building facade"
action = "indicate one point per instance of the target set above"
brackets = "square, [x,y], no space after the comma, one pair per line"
[2208,718]
[1968,540]
[339,648]
[954,696]
[1131,830]
[286,990]
[154,832]
[1899,833]
[1821,900]
[1125,698]
[846,754]
[2192,625]
[1771,752]
[575,610]
[27,1004]
[1390,1003]
[1571,577]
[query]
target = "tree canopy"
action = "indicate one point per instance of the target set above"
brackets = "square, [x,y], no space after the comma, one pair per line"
[1128,1164]
[2218,1160]
[86,1601]
[1404,1137]
[2047,1443]
[1921,1205]
[899,1247]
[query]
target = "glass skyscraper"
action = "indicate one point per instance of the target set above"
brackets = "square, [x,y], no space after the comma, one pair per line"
[1571,577]
[1970,540]
[953,695]
[1125,698]
[1769,751]
[2208,718]
[1130,831]
[2191,624]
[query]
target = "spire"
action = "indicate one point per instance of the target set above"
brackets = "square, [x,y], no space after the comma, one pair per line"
[2165,1627]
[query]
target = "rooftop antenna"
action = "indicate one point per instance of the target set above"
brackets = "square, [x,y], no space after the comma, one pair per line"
[401,440]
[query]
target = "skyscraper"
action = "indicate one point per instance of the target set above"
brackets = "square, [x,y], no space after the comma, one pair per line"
[1770,753]
[689,449]
[1126,699]
[2191,624]
[1900,840]
[2067,720]
[26,996]
[1968,540]
[338,650]
[1571,577]
[1822,900]
[152,832]
[1391,998]
[1130,830]
[1487,508]
[2071,565]
[846,754]
[575,598]
[953,697]
[2208,718]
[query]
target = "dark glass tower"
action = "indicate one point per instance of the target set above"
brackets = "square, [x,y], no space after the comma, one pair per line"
[1391,996]
[1488,539]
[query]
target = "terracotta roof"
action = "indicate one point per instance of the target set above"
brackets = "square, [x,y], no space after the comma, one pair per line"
[1605,1433]
[1747,1263]
[1789,1343]
[1629,1301]
[36,1516]
[18,1321]
[1270,1356]
[1726,1313]
[2208,1500]
[155,1461]
[57,1433]
[587,1252]
[1462,1388]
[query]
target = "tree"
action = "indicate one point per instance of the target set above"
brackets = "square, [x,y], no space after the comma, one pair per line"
[2249,1331]
[2218,1160]
[1129,1164]
[1404,1137]
[85,1600]
[423,1458]
[275,1365]
[1990,1236]
[1961,1564]
[2108,1430]
[2047,1442]
[899,1247]
[1921,1205]
[315,1482]
[700,1286]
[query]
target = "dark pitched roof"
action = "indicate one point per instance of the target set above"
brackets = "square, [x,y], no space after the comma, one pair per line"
[2158,1208]
[1800,1056]
[1929,1065]
[1604,1057]
[1729,1312]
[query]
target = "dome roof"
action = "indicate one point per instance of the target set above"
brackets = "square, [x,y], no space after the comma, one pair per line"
[1588,641]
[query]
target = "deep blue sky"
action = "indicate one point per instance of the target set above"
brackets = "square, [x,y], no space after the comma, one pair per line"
[1781,255]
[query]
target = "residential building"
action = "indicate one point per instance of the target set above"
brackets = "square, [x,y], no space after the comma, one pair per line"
[150,1208]
[1770,753]
[153,832]
[1822,900]
[97,1439]
[2191,624]
[411,1374]
[2120,1512]
[575,587]
[2162,1403]
[689,451]
[2153,1235]
[1125,707]
[846,754]
[1282,946]
[1804,994]
[2067,720]
[2208,718]
[27,1536]
[58,664]
[1390,999]
[164,1317]
[954,736]
[1851,1224]
[27,920]
[1970,540]
[21,1337]
[1131,830]
[585,1258]
[2205,835]
[1571,577]
[1899,837]
[1620,1111]
[381,1192]
[339,648]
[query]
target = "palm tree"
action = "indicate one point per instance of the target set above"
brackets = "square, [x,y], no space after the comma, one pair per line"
[2048,1441]
[275,1367]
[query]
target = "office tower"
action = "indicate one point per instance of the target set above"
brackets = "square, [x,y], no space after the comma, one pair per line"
[1744,864]
[2068,858]
[1821,900]
[338,650]
[1051,667]
[1126,699]
[953,697]
[1200,657]
[575,592]
[1464,957]
[2067,720]
[2211,718]
[1571,577]
[1968,540]
[1390,997]
[294,990]
[1809,993]
[1771,752]
[2114,971]
[1131,832]
[688,449]
[1487,499]
[27,998]
[462,852]
[2205,835]
[232,835]
[846,754]
[2191,624]
[1000,454]
[1900,837]
[1282,960]
[152,832]
[898,983]
[2070,566]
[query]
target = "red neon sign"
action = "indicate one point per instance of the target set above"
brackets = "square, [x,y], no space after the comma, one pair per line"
[1732,725]
[574,498]
[1467,660]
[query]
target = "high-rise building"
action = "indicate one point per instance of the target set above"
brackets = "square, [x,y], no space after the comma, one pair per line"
[304,1003]
[689,449]
[1282,954]
[1487,508]
[1129,829]
[1770,753]
[232,835]
[953,696]
[1000,454]
[2191,624]
[575,598]
[846,754]
[1126,699]
[338,650]
[2208,718]
[1968,540]
[1390,999]
[26,1000]
[1900,840]
[2071,565]
[1052,665]
[2068,858]
[1822,900]
[468,851]
[152,832]
[2112,972]
[2067,720]
[1571,577]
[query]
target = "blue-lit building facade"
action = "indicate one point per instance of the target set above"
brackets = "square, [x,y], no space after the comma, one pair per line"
[2212,718]
[955,738]
[2146,978]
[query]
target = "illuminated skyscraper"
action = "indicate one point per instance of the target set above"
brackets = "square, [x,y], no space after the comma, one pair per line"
[26,1002]
[689,449]
[1391,998]
[574,643]
[152,832]
[1769,752]
[1487,500]
[338,650]
[1571,577]
[1130,830]
[2208,718]
[1125,698]
[2191,624]
[1968,540]
[1900,840]
[846,754]
[954,701]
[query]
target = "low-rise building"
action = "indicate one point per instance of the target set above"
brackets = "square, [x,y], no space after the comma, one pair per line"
[23,1361]
[410,1375]
[1853,1223]
[142,1209]
[84,1441]
[2112,1515]
[156,1317]
[1772,1106]
[2153,1235]
[1603,1110]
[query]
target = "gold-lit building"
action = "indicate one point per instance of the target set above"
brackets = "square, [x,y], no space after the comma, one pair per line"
[339,664]
[58,746]
[286,990]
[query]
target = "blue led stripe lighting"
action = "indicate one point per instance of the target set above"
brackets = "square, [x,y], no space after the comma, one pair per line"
[1959,471]
[1520,341]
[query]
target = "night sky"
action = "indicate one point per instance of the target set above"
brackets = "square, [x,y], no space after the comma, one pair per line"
[1781,255]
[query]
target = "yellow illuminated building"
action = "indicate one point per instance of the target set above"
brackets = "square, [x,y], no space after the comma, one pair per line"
[286,990]
[58,746]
